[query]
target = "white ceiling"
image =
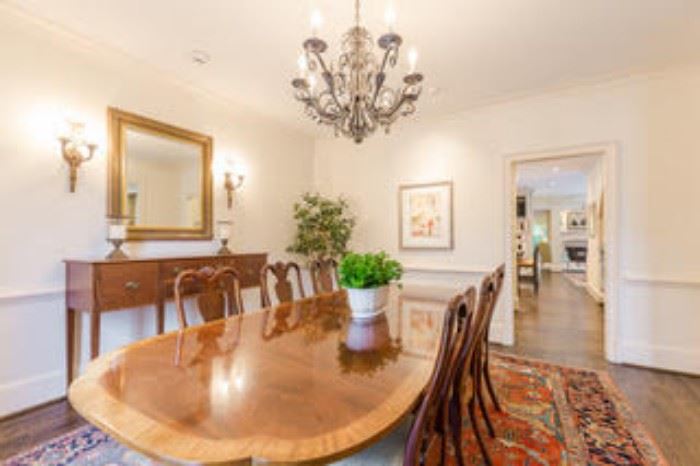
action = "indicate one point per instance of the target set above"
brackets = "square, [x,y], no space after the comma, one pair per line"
[471,51]
[556,178]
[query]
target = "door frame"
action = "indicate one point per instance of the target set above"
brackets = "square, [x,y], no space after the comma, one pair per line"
[609,154]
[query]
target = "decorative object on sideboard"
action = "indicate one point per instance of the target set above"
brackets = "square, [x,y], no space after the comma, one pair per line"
[324,227]
[223,231]
[367,278]
[353,96]
[425,216]
[232,181]
[75,149]
[116,235]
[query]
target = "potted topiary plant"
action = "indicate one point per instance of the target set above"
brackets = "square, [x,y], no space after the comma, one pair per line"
[324,227]
[366,278]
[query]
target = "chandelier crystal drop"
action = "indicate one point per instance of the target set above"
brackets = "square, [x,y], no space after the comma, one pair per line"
[351,95]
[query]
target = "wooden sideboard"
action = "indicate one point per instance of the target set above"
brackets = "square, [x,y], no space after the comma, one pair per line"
[97,286]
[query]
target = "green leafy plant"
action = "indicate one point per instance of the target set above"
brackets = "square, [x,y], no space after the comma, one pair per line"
[324,227]
[368,270]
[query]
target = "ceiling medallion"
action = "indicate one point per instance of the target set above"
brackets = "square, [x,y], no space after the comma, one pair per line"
[351,95]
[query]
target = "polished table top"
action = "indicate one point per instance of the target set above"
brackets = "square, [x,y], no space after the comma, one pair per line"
[295,383]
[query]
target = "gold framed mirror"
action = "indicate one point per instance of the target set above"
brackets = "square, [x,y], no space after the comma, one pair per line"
[159,178]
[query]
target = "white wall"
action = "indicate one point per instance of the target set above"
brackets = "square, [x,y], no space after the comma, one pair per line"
[44,71]
[652,118]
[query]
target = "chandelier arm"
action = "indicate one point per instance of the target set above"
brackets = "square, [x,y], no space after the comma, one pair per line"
[380,78]
[329,80]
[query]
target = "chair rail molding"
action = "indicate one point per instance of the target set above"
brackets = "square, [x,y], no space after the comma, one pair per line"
[448,268]
[29,293]
[661,280]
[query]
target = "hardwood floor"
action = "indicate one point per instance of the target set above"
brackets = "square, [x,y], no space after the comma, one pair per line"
[562,325]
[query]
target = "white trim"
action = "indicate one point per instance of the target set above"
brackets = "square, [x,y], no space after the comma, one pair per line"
[662,357]
[661,281]
[11,295]
[440,268]
[25,393]
[610,155]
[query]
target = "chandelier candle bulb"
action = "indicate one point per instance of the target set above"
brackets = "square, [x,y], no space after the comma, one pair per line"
[316,22]
[390,18]
[412,60]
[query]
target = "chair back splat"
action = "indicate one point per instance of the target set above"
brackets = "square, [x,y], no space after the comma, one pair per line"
[323,273]
[217,291]
[283,289]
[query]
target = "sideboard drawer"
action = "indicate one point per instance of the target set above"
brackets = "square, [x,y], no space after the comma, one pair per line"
[171,269]
[126,285]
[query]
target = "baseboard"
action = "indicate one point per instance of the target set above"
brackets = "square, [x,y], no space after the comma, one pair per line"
[595,293]
[22,394]
[662,357]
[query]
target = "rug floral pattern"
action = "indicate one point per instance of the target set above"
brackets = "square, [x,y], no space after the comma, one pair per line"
[553,415]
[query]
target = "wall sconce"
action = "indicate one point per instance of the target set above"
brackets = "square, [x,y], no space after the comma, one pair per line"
[76,150]
[230,185]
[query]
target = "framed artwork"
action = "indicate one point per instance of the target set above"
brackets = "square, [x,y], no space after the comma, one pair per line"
[425,216]
[576,220]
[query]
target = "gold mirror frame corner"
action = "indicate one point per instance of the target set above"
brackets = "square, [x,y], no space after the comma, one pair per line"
[117,121]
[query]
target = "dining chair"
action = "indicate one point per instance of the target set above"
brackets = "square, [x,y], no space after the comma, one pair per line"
[323,273]
[217,290]
[284,291]
[467,378]
[426,444]
[497,278]
[421,439]
[532,269]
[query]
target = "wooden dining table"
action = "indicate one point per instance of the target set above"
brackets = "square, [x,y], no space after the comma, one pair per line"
[297,383]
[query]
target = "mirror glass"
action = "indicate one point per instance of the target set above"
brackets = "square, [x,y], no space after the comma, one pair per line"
[159,178]
[163,180]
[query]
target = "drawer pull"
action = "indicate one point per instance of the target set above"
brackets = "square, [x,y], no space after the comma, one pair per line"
[132,285]
[177,270]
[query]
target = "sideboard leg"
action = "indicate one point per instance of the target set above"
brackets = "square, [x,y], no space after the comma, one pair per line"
[160,317]
[94,334]
[70,344]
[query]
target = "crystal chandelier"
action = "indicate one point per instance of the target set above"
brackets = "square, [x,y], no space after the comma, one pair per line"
[352,95]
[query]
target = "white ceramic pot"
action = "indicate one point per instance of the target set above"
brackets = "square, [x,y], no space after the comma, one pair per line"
[367,302]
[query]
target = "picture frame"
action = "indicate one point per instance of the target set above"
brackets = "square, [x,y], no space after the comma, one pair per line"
[426,216]
[576,220]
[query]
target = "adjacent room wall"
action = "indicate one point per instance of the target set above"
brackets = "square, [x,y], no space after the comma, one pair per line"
[556,205]
[47,73]
[652,118]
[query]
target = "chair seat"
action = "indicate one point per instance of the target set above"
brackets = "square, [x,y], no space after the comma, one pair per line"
[389,451]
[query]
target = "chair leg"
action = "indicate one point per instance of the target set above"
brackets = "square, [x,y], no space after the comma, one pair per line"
[455,417]
[477,434]
[479,395]
[489,384]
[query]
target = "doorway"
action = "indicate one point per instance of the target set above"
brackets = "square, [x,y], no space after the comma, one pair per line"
[561,220]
